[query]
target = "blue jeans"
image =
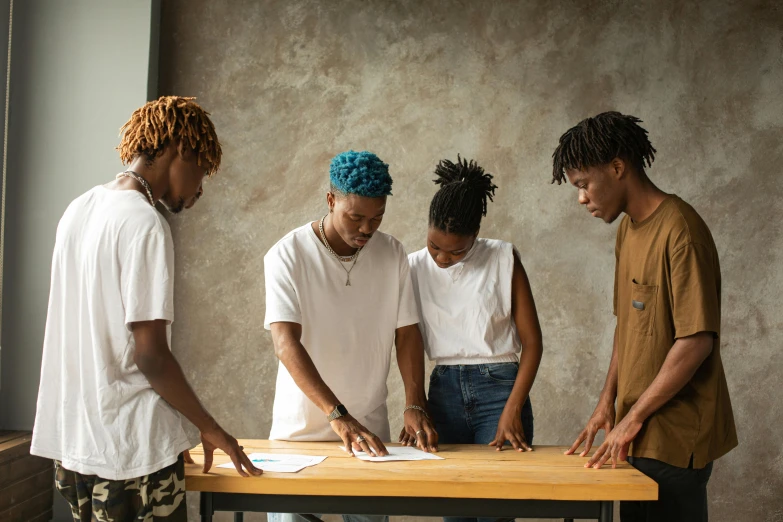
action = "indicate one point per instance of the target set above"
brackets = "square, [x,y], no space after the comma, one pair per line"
[466,402]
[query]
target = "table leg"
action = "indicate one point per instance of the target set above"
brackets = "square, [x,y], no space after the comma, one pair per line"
[607,511]
[206,508]
[239,516]
[568,520]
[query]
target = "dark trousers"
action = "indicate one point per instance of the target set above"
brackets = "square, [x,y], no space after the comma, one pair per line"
[682,493]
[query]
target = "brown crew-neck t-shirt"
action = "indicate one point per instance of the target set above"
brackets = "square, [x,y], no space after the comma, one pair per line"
[667,286]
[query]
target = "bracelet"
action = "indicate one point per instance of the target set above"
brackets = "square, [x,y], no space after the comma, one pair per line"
[414,407]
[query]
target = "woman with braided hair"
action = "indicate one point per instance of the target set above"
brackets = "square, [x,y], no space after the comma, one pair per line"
[478,313]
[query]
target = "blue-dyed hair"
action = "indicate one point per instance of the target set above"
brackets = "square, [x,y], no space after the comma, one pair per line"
[360,173]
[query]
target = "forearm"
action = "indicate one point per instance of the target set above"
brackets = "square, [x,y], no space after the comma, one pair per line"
[297,361]
[525,317]
[529,361]
[681,363]
[609,391]
[166,377]
[410,359]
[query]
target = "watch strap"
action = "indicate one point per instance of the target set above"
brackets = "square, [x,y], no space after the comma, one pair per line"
[339,411]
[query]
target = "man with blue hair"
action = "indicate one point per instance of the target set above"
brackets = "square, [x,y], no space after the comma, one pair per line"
[338,297]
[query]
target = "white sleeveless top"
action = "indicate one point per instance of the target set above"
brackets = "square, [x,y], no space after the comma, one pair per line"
[466,308]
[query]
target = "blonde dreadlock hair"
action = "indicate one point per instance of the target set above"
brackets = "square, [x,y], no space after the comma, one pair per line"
[168,118]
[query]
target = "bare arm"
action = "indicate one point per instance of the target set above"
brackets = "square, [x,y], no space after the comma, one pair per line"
[154,359]
[289,349]
[523,311]
[604,413]
[609,391]
[410,359]
[685,357]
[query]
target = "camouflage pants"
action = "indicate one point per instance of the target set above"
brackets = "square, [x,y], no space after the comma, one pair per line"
[159,496]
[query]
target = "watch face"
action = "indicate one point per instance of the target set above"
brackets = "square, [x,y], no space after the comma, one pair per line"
[342,409]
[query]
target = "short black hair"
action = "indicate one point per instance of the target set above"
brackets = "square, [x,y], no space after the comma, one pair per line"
[461,201]
[600,139]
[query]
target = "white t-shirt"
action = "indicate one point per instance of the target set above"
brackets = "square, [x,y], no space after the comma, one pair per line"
[348,331]
[113,264]
[466,308]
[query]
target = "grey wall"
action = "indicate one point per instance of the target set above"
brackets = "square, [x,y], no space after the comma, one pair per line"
[5,27]
[292,82]
[80,68]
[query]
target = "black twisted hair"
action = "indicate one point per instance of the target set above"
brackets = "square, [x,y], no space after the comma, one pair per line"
[600,139]
[461,201]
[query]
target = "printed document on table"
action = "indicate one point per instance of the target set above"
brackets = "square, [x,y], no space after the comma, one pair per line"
[397,453]
[280,462]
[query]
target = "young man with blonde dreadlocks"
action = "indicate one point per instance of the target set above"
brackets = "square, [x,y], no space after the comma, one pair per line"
[113,401]
[665,403]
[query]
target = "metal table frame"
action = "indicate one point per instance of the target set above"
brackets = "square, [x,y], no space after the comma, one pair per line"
[602,510]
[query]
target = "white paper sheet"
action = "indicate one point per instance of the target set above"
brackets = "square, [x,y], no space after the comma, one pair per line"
[280,462]
[397,453]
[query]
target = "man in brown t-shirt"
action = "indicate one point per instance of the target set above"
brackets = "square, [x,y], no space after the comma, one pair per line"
[673,414]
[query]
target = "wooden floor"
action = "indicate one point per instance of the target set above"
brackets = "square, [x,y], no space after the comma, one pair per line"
[467,472]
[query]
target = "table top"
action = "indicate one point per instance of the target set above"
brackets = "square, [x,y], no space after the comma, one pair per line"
[468,471]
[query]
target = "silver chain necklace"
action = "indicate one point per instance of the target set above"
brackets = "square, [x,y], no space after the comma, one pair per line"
[339,258]
[144,183]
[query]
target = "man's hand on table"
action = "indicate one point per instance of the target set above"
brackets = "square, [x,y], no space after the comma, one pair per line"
[419,431]
[217,438]
[355,436]
[601,419]
[510,429]
[186,456]
[616,444]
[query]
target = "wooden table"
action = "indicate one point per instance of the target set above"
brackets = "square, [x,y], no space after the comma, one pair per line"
[471,481]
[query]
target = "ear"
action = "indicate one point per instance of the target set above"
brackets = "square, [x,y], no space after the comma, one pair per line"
[330,199]
[475,238]
[184,152]
[619,168]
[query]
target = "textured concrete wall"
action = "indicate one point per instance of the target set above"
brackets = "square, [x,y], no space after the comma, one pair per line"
[290,83]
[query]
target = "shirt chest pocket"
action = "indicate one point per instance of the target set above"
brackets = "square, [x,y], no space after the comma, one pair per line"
[642,313]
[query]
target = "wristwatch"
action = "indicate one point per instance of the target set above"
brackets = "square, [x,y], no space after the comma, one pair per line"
[339,411]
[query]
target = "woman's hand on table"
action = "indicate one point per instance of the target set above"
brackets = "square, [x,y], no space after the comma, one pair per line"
[419,431]
[355,436]
[217,438]
[510,429]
